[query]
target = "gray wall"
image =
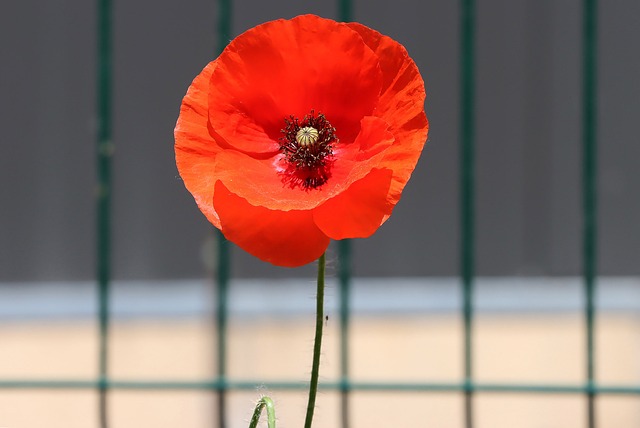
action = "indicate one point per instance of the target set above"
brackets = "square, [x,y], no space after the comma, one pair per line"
[528,145]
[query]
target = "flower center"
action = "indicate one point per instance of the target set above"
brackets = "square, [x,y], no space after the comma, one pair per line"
[307,148]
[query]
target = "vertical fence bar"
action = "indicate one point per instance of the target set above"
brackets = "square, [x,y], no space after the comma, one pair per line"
[345,14]
[222,292]
[344,255]
[103,202]
[589,169]
[223,261]
[467,220]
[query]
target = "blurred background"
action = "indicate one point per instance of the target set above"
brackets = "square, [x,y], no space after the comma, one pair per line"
[406,297]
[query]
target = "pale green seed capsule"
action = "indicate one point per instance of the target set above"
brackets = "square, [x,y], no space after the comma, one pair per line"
[307,136]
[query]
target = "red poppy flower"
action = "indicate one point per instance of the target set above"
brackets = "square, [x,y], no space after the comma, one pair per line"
[301,131]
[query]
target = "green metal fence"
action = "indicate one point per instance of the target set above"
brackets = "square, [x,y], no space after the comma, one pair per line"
[222,383]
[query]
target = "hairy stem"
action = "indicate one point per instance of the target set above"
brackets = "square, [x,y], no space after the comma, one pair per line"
[265,402]
[317,344]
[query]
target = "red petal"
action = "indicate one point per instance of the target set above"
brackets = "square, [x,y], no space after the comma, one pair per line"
[289,67]
[262,183]
[374,137]
[283,238]
[359,211]
[195,148]
[401,105]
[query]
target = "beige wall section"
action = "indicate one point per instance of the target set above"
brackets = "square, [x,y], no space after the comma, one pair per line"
[509,348]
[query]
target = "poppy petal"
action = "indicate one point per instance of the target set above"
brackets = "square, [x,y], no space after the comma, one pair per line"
[283,238]
[401,105]
[263,183]
[195,148]
[402,159]
[374,137]
[291,67]
[359,211]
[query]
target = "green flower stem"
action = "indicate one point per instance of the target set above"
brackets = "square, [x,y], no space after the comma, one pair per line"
[317,344]
[265,402]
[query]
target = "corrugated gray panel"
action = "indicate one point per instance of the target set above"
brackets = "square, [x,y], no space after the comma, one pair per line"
[528,139]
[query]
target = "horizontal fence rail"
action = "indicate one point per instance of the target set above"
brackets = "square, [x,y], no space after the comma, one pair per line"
[251,385]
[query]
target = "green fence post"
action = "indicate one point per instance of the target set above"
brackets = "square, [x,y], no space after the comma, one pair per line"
[344,257]
[223,257]
[344,254]
[103,198]
[222,294]
[589,181]
[467,212]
